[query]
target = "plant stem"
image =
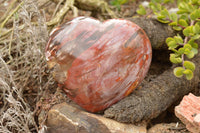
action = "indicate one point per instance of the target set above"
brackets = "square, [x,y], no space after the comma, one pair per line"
[11,14]
[185,42]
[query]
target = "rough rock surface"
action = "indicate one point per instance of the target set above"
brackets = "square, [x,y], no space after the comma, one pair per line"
[188,111]
[64,118]
[154,97]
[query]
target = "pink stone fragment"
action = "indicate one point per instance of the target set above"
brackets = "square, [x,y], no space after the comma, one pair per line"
[188,111]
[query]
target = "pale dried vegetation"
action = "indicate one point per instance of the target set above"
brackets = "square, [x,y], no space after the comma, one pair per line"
[26,85]
[24,75]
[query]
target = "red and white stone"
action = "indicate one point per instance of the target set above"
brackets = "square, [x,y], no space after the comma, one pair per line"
[96,63]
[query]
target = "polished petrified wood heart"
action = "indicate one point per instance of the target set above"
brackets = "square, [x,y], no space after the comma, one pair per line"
[97,64]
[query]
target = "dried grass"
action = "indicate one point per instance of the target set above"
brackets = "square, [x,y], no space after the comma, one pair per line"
[23,71]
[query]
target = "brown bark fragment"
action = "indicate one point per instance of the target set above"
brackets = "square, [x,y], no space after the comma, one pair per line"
[188,111]
[64,118]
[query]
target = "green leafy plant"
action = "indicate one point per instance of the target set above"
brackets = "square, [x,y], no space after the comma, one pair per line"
[118,3]
[185,20]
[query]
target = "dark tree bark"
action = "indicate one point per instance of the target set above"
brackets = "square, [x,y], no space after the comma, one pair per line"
[154,97]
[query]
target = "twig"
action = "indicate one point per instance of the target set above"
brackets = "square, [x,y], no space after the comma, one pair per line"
[105,8]
[11,14]
[185,42]
[5,33]
[10,45]
[67,5]
[57,6]
[95,5]
[8,10]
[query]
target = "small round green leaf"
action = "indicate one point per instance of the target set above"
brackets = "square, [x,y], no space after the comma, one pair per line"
[172,45]
[195,51]
[196,37]
[141,10]
[190,54]
[184,17]
[188,73]
[181,11]
[178,39]
[189,65]
[168,1]
[183,22]
[169,39]
[158,6]
[195,14]
[181,50]
[188,31]
[164,13]
[177,28]
[173,23]
[173,17]
[188,46]
[196,28]
[183,5]
[162,20]
[195,1]
[153,6]
[186,51]
[193,44]
[174,59]
[178,71]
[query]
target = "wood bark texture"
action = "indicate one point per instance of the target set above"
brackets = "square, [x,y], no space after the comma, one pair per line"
[64,118]
[154,97]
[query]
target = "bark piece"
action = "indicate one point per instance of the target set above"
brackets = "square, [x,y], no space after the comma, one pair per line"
[94,6]
[64,118]
[188,111]
[154,97]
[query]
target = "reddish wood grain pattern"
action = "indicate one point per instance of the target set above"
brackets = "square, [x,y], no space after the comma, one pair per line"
[97,64]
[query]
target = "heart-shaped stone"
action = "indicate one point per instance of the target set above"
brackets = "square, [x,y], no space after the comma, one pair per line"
[97,64]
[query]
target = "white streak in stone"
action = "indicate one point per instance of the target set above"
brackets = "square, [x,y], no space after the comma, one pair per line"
[70,120]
